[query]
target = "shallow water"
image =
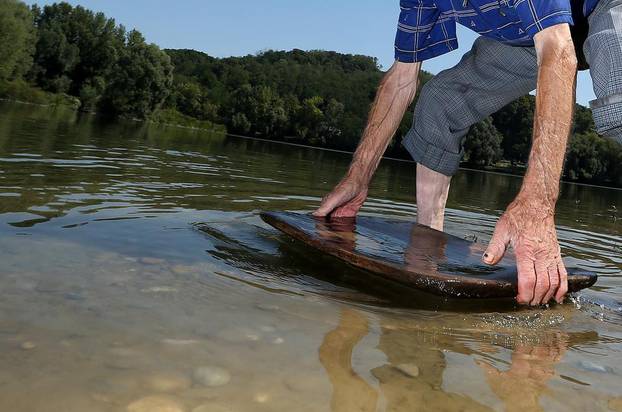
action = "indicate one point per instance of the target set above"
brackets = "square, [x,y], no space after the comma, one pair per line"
[136,273]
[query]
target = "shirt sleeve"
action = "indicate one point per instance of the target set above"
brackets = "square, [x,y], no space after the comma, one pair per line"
[423,31]
[537,15]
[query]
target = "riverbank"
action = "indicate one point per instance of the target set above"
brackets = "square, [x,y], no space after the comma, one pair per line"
[22,92]
[19,91]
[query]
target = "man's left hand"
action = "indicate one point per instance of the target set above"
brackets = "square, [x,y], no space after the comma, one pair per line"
[529,227]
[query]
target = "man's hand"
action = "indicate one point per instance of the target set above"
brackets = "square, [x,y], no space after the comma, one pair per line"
[530,228]
[345,200]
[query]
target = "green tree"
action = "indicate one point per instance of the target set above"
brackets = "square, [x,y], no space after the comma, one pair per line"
[592,158]
[515,123]
[583,120]
[76,49]
[140,81]
[17,37]
[262,107]
[310,119]
[240,123]
[482,146]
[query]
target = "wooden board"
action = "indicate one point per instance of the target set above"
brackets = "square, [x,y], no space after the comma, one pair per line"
[411,254]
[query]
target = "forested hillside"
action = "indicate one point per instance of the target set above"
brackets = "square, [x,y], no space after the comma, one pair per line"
[321,98]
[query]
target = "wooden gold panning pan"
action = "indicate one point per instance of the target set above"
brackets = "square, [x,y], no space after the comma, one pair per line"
[411,254]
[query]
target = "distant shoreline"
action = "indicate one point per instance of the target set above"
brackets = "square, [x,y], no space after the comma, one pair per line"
[471,169]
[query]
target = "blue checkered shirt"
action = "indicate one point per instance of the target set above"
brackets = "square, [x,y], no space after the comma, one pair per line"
[427,28]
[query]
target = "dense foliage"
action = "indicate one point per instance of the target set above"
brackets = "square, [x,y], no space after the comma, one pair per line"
[17,38]
[482,146]
[318,98]
[71,50]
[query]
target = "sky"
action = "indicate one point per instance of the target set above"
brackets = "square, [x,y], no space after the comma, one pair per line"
[225,28]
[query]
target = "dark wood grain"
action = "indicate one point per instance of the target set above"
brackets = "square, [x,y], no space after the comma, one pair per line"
[411,254]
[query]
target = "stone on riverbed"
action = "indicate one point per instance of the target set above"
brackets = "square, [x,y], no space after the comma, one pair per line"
[589,366]
[152,261]
[28,345]
[208,407]
[211,376]
[408,369]
[183,269]
[168,382]
[179,342]
[615,404]
[239,334]
[261,397]
[155,404]
[159,289]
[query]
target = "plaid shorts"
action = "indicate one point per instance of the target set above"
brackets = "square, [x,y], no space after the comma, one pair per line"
[492,75]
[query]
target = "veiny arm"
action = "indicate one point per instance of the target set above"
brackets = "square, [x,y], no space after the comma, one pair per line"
[396,92]
[528,223]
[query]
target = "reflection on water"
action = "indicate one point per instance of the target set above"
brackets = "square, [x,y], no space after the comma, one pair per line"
[136,275]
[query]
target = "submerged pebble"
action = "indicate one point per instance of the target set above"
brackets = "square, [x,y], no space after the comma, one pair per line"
[594,367]
[179,342]
[209,407]
[183,269]
[159,289]
[408,369]
[239,334]
[211,376]
[152,261]
[267,307]
[155,404]
[261,397]
[168,382]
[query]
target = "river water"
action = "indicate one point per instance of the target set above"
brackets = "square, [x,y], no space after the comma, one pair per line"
[136,274]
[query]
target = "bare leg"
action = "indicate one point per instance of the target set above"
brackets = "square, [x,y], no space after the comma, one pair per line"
[432,191]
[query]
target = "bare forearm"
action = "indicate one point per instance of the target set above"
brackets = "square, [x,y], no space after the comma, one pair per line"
[396,92]
[552,125]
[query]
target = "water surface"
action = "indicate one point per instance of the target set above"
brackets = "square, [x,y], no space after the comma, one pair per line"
[136,273]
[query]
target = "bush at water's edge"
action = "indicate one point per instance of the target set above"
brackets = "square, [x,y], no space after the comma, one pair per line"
[174,118]
[21,91]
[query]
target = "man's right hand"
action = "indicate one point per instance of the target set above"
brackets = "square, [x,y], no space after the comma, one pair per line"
[395,93]
[345,200]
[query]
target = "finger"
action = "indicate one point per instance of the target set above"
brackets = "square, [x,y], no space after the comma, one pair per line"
[563,282]
[542,283]
[488,369]
[554,283]
[330,202]
[498,244]
[526,281]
